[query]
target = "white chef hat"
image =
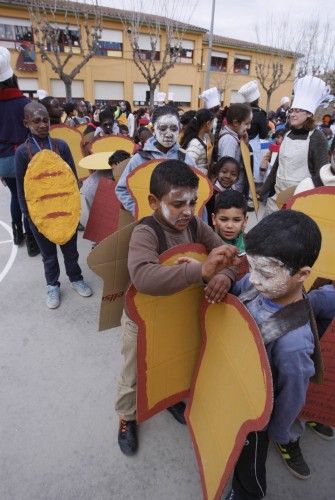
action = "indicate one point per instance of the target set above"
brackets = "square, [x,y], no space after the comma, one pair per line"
[160,97]
[311,92]
[41,94]
[211,98]
[250,91]
[6,71]
[284,100]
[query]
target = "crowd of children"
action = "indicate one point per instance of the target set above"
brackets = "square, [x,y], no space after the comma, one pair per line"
[280,249]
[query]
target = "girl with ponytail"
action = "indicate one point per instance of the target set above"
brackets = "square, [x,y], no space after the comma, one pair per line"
[195,139]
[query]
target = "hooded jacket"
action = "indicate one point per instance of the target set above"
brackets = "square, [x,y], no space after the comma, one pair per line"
[121,189]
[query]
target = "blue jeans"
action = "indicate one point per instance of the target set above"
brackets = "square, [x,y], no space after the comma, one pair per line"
[15,209]
[50,260]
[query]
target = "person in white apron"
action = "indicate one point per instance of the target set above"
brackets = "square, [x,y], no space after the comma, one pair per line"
[303,151]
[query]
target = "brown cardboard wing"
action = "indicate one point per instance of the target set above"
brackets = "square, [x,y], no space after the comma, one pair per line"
[73,139]
[284,196]
[109,261]
[247,165]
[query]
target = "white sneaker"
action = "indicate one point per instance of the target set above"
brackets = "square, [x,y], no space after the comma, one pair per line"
[53,296]
[82,288]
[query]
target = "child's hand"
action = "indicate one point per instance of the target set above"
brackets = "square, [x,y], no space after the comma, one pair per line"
[218,259]
[217,288]
[186,260]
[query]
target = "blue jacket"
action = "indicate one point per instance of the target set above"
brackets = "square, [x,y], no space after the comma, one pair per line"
[121,189]
[323,304]
[22,159]
[12,131]
[291,365]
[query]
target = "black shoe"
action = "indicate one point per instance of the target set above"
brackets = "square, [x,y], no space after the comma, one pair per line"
[177,411]
[292,456]
[18,235]
[324,431]
[32,246]
[127,437]
[232,495]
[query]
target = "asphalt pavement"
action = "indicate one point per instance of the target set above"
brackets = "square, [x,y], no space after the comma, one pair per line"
[58,428]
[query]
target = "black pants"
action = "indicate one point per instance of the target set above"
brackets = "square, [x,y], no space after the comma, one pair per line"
[50,260]
[15,209]
[249,480]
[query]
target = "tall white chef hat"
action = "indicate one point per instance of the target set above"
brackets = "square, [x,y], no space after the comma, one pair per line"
[41,94]
[211,98]
[311,92]
[250,91]
[284,100]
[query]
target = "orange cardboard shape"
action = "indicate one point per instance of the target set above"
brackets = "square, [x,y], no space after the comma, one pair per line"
[319,204]
[112,143]
[168,340]
[231,392]
[73,139]
[138,183]
[250,176]
[52,196]
[320,400]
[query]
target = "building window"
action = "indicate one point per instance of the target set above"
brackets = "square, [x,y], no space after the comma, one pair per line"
[28,86]
[110,43]
[180,94]
[58,89]
[108,92]
[185,52]
[68,39]
[141,94]
[146,49]
[219,61]
[242,65]
[14,31]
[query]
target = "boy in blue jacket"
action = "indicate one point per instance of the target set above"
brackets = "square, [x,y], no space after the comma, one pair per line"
[281,250]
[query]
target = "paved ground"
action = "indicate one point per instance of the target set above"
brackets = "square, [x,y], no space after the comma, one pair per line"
[57,423]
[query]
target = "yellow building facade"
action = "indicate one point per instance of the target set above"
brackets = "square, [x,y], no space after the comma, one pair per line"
[113,76]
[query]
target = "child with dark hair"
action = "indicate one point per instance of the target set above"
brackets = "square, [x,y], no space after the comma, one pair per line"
[173,195]
[141,137]
[223,174]
[229,217]
[108,125]
[196,137]
[163,145]
[270,156]
[281,250]
[54,109]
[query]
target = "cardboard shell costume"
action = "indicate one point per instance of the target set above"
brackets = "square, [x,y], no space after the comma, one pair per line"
[52,196]
[73,139]
[319,204]
[112,143]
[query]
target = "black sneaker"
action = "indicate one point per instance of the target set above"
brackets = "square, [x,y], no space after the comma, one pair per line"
[324,431]
[127,437]
[32,247]
[177,411]
[232,495]
[292,456]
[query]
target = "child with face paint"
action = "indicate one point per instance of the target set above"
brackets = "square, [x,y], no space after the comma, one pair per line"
[108,125]
[163,145]
[125,117]
[238,118]
[173,195]
[36,118]
[281,250]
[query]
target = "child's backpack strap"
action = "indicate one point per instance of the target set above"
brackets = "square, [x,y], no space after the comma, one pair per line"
[181,155]
[316,356]
[145,155]
[317,181]
[54,145]
[157,228]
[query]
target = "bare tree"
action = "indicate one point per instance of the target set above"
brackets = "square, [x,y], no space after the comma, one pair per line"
[156,59]
[317,44]
[271,65]
[58,44]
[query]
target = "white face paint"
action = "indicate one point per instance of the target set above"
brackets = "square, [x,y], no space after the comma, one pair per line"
[123,106]
[178,207]
[269,276]
[166,130]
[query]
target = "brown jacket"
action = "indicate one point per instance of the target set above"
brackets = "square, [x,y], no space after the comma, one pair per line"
[145,270]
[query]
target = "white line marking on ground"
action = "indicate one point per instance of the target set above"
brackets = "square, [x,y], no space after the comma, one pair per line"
[13,253]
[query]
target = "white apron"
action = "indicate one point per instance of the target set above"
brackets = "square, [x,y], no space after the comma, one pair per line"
[255,144]
[292,168]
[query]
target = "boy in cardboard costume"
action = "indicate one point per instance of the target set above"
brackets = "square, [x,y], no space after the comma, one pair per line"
[173,193]
[281,250]
[36,118]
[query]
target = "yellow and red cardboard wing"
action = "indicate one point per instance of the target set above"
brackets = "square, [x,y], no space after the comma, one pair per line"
[112,143]
[73,139]
[138,183]
[168,339]
[248,170]
[52,196]
[231,393]
[319,204]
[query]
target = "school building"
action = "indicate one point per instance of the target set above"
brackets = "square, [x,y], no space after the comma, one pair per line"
[111,74]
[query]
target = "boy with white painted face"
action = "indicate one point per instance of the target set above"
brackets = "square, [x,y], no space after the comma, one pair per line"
[281,250]
[173,195]
[163,145]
